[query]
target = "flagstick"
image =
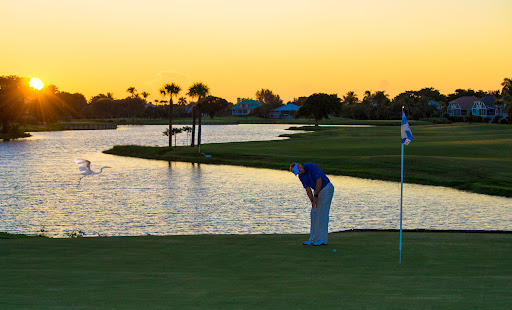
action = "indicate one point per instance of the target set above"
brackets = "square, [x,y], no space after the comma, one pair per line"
[401,198]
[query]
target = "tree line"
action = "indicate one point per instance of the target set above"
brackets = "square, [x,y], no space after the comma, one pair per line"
[21,104]
[424,103]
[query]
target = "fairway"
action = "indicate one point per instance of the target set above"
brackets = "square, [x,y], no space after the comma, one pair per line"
[438,271]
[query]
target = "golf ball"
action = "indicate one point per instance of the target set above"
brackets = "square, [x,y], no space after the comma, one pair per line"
[334,250]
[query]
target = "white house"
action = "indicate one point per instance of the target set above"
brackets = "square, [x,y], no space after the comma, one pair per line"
[470,105]
[244,107]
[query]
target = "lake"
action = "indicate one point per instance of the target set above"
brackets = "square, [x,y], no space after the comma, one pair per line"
[39,191]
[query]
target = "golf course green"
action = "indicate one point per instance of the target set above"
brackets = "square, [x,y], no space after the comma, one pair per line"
[470,157]
[439,270]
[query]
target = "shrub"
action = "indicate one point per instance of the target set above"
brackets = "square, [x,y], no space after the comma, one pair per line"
[456,119]
[496,119]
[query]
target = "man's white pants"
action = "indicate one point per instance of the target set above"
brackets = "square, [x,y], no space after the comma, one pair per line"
[320,216]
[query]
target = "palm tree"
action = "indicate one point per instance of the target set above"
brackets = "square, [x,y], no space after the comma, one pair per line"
[187,129]
[145,95]
[200,91]
[132,91]
[182,101]
[171,90]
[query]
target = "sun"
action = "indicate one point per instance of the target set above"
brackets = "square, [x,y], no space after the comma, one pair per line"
[36,83]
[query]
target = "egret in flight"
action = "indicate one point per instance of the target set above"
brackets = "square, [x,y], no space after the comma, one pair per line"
[85,168]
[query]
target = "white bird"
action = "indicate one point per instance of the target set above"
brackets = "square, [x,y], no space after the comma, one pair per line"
[85,168]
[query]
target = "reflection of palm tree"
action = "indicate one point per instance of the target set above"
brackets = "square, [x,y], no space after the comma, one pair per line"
[200,91]
[171,90]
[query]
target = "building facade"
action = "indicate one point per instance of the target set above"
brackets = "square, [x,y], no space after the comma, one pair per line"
[244,107]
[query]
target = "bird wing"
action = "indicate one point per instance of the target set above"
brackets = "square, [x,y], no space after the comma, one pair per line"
[83,165]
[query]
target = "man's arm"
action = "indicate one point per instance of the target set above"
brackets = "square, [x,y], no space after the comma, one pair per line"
[318,188]
[311,197]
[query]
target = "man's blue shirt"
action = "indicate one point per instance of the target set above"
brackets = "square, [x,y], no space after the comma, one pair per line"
[313,173]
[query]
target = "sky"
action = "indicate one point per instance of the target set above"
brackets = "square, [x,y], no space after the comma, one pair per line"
[293,47]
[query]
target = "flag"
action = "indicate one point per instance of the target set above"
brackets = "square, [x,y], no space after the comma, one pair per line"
[406,131]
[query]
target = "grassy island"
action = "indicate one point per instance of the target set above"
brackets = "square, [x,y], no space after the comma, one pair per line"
[471,157]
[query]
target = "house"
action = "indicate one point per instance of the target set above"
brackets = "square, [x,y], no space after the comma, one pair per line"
[470,105]
[286,111]
[244,107]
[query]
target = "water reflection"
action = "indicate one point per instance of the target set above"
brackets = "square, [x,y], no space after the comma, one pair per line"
[138,197]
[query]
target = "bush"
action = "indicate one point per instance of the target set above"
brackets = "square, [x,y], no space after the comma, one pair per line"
[437,120]
[496,119]
[487,119]
[474,119]
[456,119]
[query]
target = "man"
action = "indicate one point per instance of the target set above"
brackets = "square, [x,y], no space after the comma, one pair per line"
[314,179]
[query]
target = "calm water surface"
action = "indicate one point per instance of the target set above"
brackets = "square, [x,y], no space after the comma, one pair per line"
[39,190]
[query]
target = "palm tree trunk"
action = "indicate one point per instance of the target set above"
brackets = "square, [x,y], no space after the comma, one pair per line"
[193,126]
[170,124]
[199,130]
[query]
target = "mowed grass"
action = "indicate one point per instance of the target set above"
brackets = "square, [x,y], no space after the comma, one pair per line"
[438,271]
[471,157]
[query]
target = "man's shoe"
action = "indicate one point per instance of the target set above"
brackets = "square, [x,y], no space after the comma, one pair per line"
[309,242]
[319,243]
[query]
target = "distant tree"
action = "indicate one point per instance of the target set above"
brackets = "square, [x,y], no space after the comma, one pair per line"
[212,105]
[188,130]
[132,91]
[318,106]
[298,101]
[270,102]
[200,91]
[374,105]
[266,96]
[130,107]
[466,92]
[73,103]
[12,100]
[100,107]
[350,98]
[506,96]
[182,101]
[171,90]
[145,95]
[174,132]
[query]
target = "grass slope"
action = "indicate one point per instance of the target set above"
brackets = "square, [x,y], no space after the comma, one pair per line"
[472,157]
[438,271]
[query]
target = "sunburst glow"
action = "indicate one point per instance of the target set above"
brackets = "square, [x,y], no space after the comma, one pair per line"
[36,83]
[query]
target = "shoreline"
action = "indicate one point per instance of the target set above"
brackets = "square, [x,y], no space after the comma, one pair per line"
[7,235]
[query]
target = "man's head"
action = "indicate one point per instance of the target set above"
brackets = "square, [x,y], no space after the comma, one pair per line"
[297,168]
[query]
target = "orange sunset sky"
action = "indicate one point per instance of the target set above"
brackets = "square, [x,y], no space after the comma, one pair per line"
[236,47]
